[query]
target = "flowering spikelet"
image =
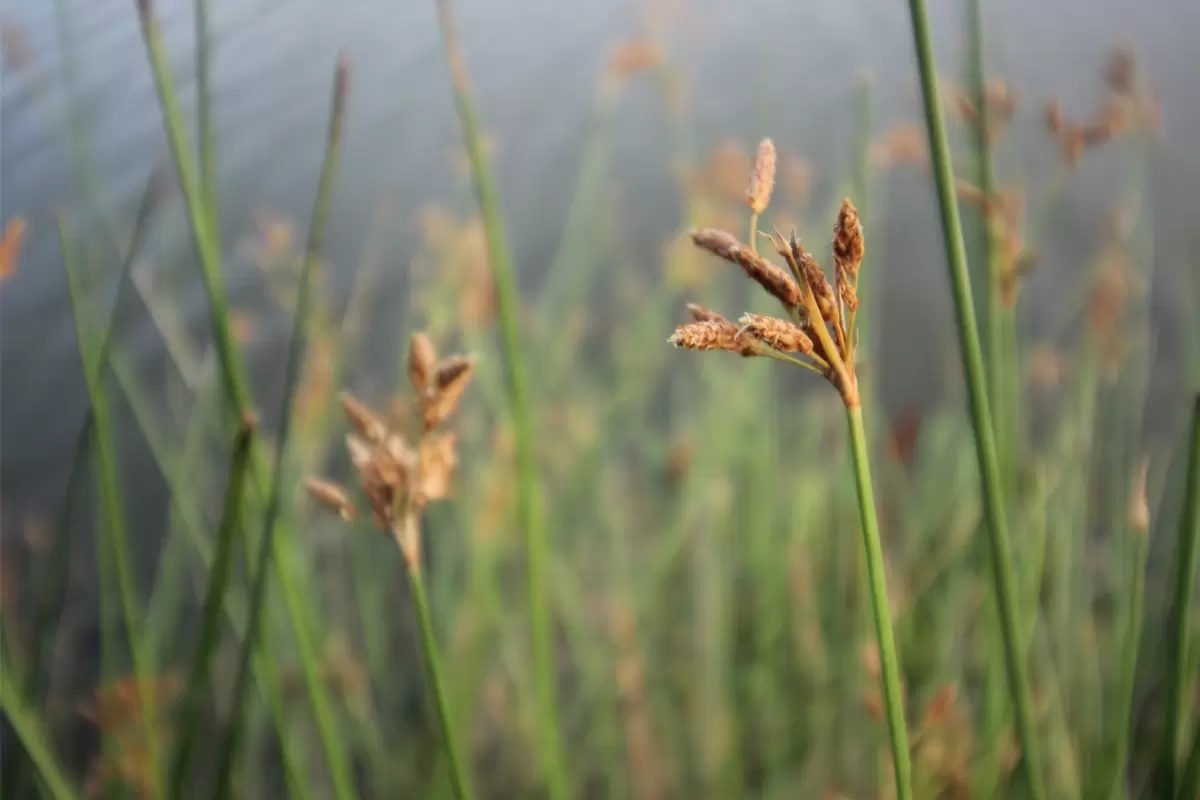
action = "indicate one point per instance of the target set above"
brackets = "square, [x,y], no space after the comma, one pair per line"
[368,424]
[762,177]
[814,276]
[713,335]
[770,276]
[780,334]
[702,314]
[450,380]
[421,359]
[331,496]
[848,251]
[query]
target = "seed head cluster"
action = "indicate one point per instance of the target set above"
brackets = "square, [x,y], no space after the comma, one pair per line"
[398,474]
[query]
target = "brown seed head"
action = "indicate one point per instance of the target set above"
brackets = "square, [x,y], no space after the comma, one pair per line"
[363,419]
[713,335]
[702,314]
[450,380]
[331,496]
[780,334]
[421,359]
[849,247]
[438,458]
[770,276]
[814,276]
[762,177]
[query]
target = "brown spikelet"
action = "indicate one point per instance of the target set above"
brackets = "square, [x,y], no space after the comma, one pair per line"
[780,334]
[331,496]
[437,460]
[713,335]
[814,276]
[368,424]
[849,248]
[770,276]
[450,380]
[421,359]
[762,177]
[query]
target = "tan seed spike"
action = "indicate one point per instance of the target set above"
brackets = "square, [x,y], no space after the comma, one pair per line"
[762,178]
[713,335]
[702,314]
[778,333]
[331,496]
[363,419]
[769,276]
[814,276]
[450,380]
[421,359]
[848,250]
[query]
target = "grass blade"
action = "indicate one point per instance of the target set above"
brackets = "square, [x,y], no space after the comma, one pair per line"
[981,417]
[1186,550]
[295,359]
[529,501]
[214,595]
[25,724]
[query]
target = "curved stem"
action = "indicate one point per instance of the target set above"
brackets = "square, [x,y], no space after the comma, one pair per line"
[893,696]
[981,415]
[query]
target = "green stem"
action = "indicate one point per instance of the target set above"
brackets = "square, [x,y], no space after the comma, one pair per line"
[1129,656]
[112,501]
[893,695]
[981,417]
[1167,772]
[529,501]
[29,732]
[433,669]
[268,543]
[214,598]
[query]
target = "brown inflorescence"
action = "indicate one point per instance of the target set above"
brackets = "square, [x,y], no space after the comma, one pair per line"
[762,178]
[779,334]
[848,251]
[770,276]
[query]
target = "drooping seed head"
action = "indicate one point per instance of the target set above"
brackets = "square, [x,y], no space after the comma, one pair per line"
[713,335]
[762,177]
[702,314]
[368,424]
[814,276]
[780,334]
[331,496]
[770,276]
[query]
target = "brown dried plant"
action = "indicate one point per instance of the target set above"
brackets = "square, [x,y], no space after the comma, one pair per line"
[399,474]
[820,323]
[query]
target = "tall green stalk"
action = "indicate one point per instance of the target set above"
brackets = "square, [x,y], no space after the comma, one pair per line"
[30,734]
[1129,656]
[529,501]
[210,616]
[893,695]
[331,745]
[981,418]
[1177,701]
[459,779]
[112,504]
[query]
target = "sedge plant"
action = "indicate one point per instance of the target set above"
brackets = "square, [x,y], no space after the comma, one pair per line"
[818,336]
[401,471]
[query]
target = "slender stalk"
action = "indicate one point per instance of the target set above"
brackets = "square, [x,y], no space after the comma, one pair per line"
[28,729]
[214,598]
[1177,701]
[529,501]
[433,669]
[981,417]
[112,501]
[1189,784]
[893,695]
[1129,657]
[330,744]
[204,126]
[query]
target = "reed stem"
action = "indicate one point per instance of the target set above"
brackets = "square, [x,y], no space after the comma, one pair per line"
[981,417]
[459,780]
[25,725]
[1178,626]
[1129,658]
[893,695]
[529,500]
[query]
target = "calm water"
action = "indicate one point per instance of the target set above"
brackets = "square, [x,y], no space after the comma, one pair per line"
[754,68]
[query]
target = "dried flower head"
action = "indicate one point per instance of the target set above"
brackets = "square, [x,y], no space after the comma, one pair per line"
[770,276]
[368,424]
[422,356]
[332,496]
[762,178]
[779,334]
[450,380]
[848,251]
[713,334]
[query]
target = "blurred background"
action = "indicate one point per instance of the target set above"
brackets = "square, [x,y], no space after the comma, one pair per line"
[711,633]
